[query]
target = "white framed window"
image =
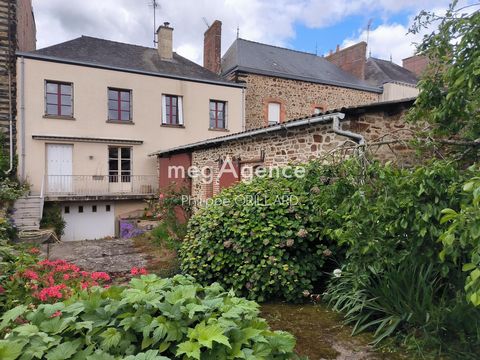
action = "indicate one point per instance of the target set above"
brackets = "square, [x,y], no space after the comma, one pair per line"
[172,110]
[119,164]
[273,113]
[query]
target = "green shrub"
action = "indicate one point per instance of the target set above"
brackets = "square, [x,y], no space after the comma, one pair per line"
[52,218]
[162,236]
[461,241]
[153,318]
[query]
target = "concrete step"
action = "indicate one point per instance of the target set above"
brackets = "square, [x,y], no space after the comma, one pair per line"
[29,228]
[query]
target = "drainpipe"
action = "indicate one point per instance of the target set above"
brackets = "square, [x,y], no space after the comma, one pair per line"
[22,117]
[10,120]
[337,129]
[243,109]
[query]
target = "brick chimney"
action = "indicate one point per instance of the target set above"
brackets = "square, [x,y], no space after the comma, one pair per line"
[165,41]
[351,59]
[416,64]
[212,47]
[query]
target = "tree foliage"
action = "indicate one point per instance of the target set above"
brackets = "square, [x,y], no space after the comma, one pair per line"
[449,96]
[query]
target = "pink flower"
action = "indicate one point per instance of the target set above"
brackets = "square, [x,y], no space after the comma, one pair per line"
[2,290]
[66,277]
[161,196]
[84,285]
[100,276]
[34,251]
[56,313]
[52,292]
[138,271]
[29,274]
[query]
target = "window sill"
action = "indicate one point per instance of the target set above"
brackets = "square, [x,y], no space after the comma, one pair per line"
[173,126]
[58,117]
[218,129]
[123,122]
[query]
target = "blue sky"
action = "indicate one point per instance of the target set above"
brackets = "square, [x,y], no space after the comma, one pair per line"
[297,24]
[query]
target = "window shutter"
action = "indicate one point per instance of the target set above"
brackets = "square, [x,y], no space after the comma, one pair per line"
[180,110]
[164,109]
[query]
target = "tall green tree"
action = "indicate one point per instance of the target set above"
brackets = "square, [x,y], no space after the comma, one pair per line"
[449,96]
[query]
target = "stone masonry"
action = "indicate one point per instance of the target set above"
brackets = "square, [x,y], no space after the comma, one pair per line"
[296,98]
[301,144]
[17,32]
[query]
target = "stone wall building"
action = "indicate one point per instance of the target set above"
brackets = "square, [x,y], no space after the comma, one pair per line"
[283,84]
[295,141]
[17,32]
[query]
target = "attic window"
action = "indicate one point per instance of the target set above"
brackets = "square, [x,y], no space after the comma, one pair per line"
[273,113]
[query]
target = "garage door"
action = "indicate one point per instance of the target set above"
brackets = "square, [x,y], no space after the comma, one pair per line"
[88,221]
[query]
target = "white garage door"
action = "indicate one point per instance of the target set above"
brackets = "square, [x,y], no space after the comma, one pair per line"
[88,221]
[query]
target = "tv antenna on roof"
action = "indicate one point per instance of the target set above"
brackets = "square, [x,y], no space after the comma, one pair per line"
[155,5]
[369,25]
[206,22]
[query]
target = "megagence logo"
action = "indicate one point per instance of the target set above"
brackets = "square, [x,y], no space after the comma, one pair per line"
[206,175]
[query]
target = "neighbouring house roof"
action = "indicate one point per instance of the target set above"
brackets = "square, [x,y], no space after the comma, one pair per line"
[256,58]
[90,51]
[324,117]
[379,72]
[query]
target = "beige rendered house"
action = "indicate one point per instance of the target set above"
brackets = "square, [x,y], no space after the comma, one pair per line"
[91,110]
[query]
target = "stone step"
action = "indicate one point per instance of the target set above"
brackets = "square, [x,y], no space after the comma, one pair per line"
[28,228]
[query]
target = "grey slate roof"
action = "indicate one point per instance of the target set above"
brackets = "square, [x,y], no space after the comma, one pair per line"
[253,57]
[106,53]
[379,72]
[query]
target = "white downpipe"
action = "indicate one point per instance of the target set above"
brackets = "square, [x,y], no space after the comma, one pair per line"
[337,129]
[22,116]
[10,120]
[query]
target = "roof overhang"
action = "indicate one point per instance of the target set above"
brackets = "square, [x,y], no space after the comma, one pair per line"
[87,139]
[33,56]
[243,69]
[316,119]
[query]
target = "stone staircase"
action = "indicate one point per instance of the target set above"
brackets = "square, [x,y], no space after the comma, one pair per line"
[28,213]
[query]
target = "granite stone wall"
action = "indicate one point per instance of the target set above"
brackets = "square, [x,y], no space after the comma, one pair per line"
[297,98]
[299,145]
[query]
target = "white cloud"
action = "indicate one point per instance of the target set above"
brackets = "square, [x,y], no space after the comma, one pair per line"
[260,20]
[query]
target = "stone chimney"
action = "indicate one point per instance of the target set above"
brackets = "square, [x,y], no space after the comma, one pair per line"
[416,64]
[351,59]
[165,41]
[212,47]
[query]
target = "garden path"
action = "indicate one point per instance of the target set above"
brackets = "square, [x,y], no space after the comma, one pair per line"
[113,256]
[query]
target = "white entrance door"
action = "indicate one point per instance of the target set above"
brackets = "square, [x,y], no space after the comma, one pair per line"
[59,168]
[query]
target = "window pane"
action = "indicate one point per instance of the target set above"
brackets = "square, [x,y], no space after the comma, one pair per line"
[126,153]
[52,110]
[52,99]
[220,124]
[220,106]
[212,123]
[66,99]
[52,88]
[125,105]
[220,115]
[113,152]
[112,105]
[67,110]
[212,105]
[112,95]
[125,95]
[66,89]
[125,115]
[112,165]
[126,165]
[174,100]
[113,115]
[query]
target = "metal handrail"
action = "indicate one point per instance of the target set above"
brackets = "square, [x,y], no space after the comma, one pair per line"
[68,185]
